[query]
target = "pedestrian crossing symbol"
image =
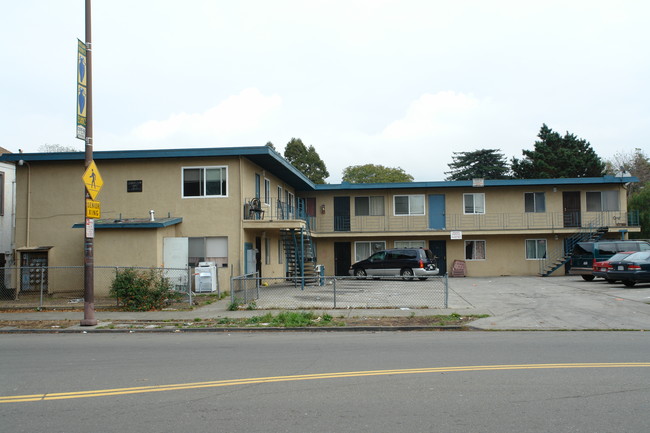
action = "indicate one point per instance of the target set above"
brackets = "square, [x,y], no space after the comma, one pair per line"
[93,180]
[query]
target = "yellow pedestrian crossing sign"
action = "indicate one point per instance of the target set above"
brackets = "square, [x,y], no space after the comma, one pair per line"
[93,180]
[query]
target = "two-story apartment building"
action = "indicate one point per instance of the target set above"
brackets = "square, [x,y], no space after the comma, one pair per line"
[248,210]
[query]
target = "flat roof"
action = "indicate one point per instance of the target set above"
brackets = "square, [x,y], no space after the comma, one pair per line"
[264,156]
[269,159]
[486,183]
[132,223]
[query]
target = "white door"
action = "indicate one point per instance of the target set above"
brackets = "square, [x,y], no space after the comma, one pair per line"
[175,252]
[175,258]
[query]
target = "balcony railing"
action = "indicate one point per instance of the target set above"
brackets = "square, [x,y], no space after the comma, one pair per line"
[274,210]
[491,221]
[280,210]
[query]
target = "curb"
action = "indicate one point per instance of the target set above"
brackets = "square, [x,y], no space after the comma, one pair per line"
[239,330]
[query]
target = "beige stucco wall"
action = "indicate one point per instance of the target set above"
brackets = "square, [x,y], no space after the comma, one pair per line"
[506,203]
[56,203]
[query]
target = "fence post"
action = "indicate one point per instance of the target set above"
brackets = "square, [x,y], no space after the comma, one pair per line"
[189,284]
[257,284]
[117,296]
[41,279]
[334,291]
[232,289]
[446,291]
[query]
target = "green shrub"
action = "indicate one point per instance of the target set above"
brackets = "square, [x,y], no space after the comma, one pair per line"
[143,290]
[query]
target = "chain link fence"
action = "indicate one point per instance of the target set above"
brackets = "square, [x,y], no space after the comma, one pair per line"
[63,286]
[251,291]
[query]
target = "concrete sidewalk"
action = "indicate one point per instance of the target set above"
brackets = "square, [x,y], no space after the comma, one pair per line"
[513,303]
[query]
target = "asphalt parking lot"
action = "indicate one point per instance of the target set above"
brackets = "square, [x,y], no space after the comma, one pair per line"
[565,302]
[512,303]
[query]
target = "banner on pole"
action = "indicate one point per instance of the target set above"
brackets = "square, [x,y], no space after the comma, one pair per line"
[81,90]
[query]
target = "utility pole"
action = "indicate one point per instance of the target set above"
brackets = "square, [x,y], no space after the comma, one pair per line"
[89,262]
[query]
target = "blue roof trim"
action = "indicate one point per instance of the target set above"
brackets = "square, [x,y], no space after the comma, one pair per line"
[132,223]
[263,156]
[140,154]
[487,183]
[270,160]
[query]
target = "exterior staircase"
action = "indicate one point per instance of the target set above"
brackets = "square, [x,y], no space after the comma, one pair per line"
[299,254]
[562,255]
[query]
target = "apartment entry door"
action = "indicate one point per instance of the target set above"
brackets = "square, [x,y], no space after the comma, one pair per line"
[571,206]
[439,250]
[341,214]
[437,211]
[342,258]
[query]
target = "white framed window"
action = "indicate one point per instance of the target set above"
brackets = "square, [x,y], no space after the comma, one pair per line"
[208,249]
[267,191]
[602,201]
[474,203]
[205,182]
[408,204]
[363,250]
[474,250]
[534,202]
[369,206]
[535,249]
[409,244]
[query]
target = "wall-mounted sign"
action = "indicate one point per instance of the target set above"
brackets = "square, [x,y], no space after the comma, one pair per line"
[456,235]
[133,186]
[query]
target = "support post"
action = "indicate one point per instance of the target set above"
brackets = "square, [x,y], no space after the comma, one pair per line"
[89,263]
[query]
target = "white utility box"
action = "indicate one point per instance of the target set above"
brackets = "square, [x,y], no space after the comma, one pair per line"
[205,277]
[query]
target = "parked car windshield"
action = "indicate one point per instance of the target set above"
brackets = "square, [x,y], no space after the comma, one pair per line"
[619,256]
[641,256]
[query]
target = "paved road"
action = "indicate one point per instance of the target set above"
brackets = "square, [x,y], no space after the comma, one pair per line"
[441,381]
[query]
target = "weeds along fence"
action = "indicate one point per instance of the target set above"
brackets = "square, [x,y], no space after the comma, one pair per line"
[63,286]
[252,292]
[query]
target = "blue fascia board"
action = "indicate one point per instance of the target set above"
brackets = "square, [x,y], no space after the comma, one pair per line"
[487,183]
[137,154]
[132,224]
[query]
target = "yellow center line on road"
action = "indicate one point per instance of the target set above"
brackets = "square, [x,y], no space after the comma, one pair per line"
[259,380]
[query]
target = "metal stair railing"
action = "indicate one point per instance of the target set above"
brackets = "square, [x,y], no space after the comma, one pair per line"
[561,255]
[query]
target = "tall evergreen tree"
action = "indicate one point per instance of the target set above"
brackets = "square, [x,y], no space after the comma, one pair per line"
[482,163]
[307,160]
[556,156]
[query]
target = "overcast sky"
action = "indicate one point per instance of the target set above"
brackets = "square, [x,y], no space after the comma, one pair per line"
[399,83]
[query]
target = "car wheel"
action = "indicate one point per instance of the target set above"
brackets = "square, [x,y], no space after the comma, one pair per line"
[629,283]
[359,273]
[407,274]
[588,277]
[610,281]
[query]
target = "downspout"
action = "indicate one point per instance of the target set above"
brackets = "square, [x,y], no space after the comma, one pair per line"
[242,252]
[29,195]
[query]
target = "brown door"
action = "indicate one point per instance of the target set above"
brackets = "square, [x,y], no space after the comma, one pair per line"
[571,205]
[342,258]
